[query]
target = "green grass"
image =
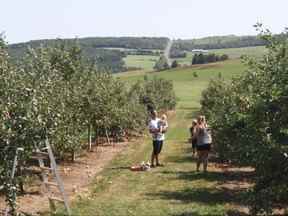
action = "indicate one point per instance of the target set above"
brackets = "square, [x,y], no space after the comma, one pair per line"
[233,53]
[146,62]
[187,87]
[173,190]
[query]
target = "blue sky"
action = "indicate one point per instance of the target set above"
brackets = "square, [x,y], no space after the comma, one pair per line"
[25,20]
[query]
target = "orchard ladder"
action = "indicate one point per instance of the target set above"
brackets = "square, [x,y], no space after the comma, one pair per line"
[47,153]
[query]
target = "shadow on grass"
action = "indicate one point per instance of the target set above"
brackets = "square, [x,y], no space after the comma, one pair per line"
[229,213]
[207,196]
[236,213]
[180,158]
[119,168]
[212,176]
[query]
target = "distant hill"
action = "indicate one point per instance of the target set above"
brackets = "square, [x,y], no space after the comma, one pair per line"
[90,45]
[218,42]
[96,48]
[110,51]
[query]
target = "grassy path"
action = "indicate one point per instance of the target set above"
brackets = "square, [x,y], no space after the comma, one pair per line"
[176,189]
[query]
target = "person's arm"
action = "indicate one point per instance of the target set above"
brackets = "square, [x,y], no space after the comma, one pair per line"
[155,130]
[195,132]
[166,126]
[152,129]
[161,128]
[191,131]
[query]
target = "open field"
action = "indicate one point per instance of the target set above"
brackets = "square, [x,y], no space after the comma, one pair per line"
[175,189]
[147,62]
[188,88]
[233,53]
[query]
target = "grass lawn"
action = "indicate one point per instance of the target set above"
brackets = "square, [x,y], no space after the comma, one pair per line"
[187,87]
[175,189]
[233,53]
[145,62]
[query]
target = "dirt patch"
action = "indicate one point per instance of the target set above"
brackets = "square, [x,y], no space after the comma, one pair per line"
[76,178]
[237,180]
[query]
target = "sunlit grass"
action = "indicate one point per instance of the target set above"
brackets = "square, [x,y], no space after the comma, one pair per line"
[173,190]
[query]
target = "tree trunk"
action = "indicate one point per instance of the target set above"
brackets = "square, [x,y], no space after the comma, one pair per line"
[73,156]
[107,136]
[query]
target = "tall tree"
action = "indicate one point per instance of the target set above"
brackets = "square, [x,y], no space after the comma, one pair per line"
[161,64]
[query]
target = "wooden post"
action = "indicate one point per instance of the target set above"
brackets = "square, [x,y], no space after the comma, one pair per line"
[107,136]
[73,156]
[89,137]
[96,138]
[15,163]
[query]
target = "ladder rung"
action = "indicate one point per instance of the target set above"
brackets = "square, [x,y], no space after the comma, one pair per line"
[56,199]
[51,184]
[46,168]
[41,153]
[37,157]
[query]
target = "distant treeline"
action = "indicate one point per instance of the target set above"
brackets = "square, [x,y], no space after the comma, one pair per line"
[126,42]
[218,42]
[177,53]
[208,58]
[108,52]
[98,42]
[108,60]
[94,49]
[143,52]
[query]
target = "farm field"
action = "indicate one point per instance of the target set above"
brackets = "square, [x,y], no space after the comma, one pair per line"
[175,189]
[233,53]
[147,62]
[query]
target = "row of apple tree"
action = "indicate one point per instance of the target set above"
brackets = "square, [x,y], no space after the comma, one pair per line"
[250,123]
[54,93]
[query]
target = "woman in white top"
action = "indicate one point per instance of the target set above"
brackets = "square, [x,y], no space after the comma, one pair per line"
[157,128]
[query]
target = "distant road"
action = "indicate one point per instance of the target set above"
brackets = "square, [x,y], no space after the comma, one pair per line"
[167,51]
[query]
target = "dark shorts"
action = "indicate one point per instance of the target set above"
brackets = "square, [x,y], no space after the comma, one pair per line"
[205,147]
[194,143]
[157,146]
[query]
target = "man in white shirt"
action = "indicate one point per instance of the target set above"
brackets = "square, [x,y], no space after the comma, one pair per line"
[157,137]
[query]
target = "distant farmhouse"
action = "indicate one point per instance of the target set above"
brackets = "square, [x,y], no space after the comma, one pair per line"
[199,51]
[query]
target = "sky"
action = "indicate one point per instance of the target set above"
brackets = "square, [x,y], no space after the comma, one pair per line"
[24,20]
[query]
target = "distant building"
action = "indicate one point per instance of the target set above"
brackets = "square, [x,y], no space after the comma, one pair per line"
[199,51]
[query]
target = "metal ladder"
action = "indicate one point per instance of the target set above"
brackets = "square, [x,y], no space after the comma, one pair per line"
[41,155]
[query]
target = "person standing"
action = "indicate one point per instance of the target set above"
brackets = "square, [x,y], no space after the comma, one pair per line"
[204,140]
[157,131]
[193,139]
